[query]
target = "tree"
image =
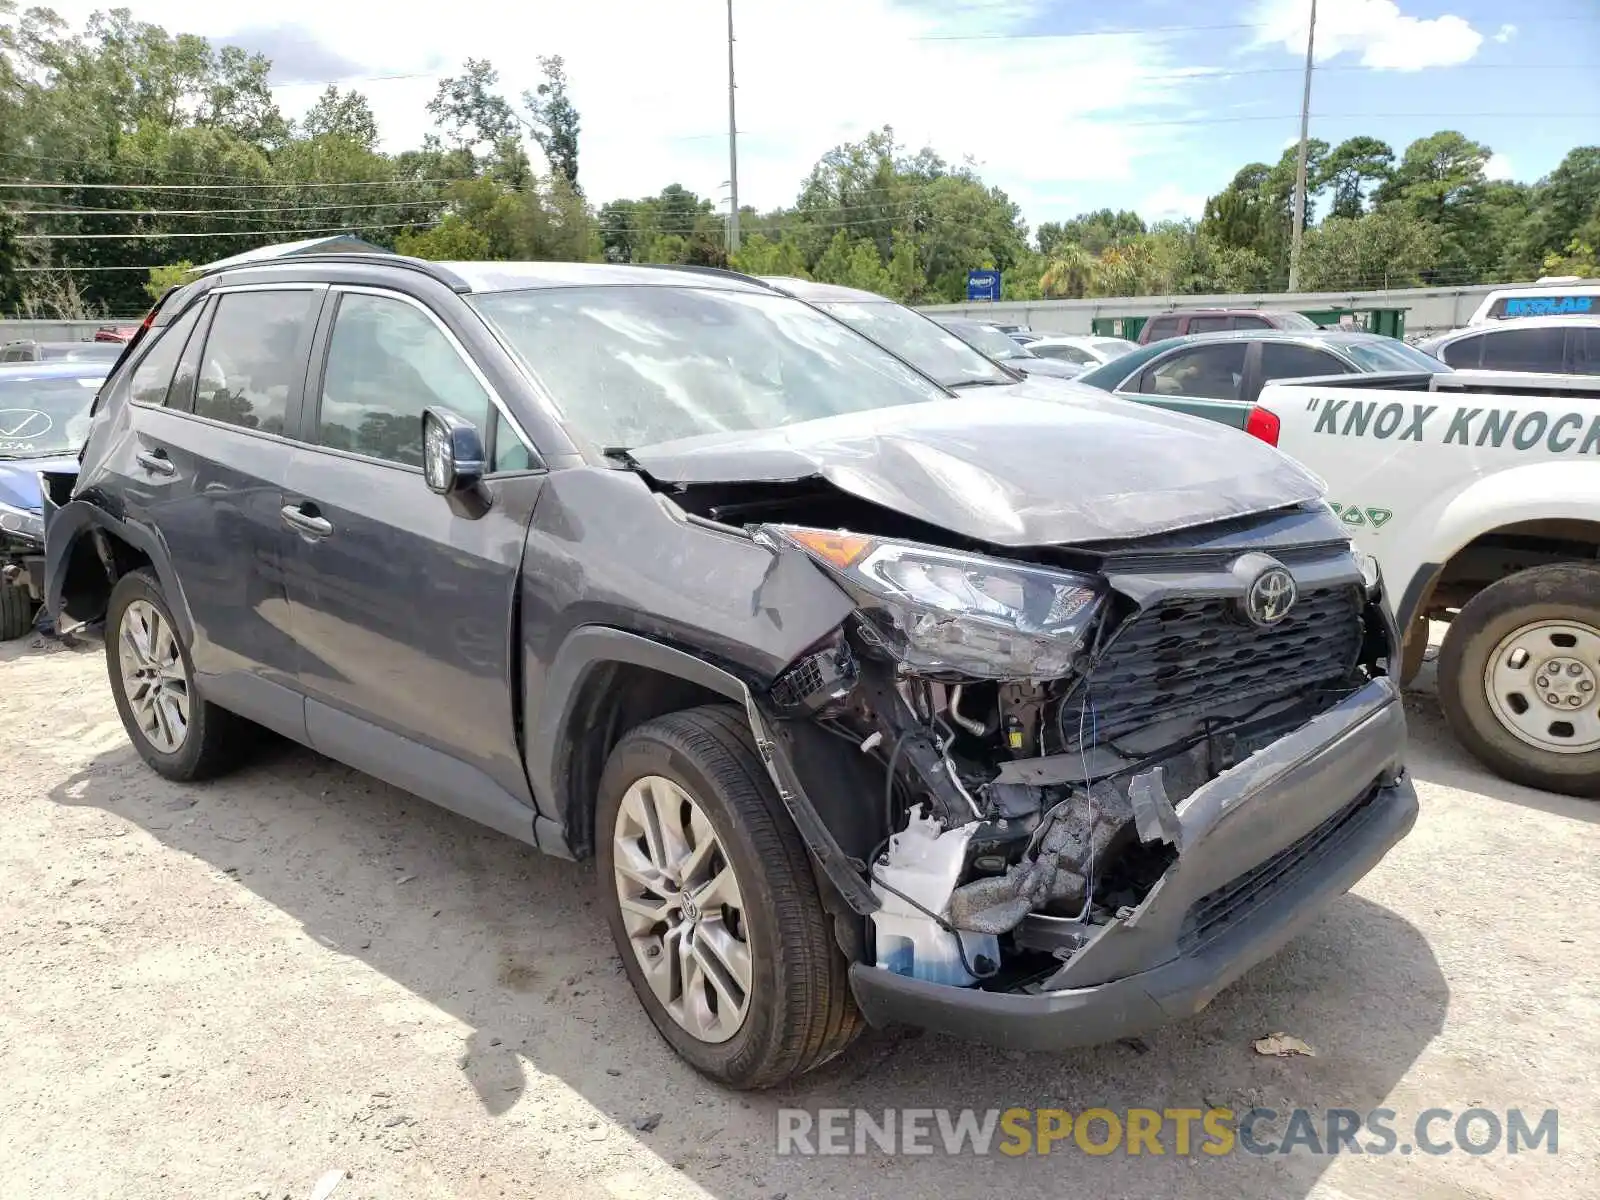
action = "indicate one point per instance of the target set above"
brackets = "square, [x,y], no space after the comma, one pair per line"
[471,112]
[452,240]
[760,255]
[1384,249]
[1071,271]
[851,263]
[1093,231]
[344,115]
[163,279]
[554,119]
[1349,168]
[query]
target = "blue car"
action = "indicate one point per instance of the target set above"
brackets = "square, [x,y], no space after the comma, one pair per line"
[44,416]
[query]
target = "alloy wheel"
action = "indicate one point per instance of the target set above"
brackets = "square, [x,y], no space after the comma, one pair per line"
[682,908]
[154,678]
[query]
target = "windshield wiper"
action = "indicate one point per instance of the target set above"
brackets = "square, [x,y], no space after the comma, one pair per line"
[966,383]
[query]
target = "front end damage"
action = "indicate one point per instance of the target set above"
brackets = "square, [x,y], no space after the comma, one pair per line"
[1069,794]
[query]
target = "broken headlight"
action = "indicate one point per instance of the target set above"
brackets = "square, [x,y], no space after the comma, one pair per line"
[22,523]
[942,612]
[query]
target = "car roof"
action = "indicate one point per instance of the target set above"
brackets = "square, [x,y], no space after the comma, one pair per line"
[1335,336]
[1559,321]
[55,370]
[482,277]
[813,292]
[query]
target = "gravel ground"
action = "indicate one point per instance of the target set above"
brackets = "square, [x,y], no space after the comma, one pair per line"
[234,989]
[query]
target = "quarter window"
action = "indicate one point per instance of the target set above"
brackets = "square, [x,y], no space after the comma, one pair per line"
[387,361]
[252,357]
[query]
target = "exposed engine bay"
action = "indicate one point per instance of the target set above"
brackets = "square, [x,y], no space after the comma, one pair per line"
[1035,729]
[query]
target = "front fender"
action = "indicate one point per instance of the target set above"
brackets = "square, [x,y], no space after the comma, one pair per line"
[1544,491]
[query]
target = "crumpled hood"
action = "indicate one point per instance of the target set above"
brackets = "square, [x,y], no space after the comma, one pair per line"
[19,478]
[1038,463]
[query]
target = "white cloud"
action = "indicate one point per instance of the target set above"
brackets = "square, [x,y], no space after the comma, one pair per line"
[1375,30]
[1498,167]
[1505,33]
[1169,202]
[1046,119]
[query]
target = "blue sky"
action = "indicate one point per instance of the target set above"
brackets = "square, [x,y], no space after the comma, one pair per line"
[1146,116]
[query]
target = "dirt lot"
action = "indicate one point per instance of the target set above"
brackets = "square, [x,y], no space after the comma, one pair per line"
[234,989]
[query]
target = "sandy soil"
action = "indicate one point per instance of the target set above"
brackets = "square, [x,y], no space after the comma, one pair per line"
[237,988]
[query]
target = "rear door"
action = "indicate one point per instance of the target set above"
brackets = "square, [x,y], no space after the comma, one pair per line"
[211,401]
[1290,360]
[1536,348]
[402,601]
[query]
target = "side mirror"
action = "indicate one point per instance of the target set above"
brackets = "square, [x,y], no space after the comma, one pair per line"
[452,452]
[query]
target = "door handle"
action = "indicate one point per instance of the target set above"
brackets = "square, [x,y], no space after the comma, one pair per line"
[156,462]
[301,523]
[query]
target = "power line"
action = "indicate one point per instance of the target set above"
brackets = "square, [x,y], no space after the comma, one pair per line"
[256,233]
[1072,35]
[212,187]
[213,212]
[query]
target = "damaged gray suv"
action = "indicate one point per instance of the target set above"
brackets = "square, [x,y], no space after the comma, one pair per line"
[1036,722]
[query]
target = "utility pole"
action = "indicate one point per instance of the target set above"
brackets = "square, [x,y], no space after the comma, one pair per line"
[733,149]
[1300,171]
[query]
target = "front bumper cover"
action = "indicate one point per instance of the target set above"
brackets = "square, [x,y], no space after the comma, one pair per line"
[1265,848]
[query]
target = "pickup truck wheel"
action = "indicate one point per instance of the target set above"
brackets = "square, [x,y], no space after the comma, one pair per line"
[180,735]
[1519,678]
[16,611]
[712,903]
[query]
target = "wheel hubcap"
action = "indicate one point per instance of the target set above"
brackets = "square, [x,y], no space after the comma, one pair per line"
[682,908]
[1543,685]
[153,676]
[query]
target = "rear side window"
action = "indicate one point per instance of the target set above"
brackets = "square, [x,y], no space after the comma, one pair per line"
[387,361]
[1524,349]
[251,358]
[1209,324]
[1284,360]
[1069,354]
[152,378]
[1464,352]
[1206,372]
[1161,327]
[1251,323]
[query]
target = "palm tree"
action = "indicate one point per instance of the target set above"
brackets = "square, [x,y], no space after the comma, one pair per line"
[1070,274]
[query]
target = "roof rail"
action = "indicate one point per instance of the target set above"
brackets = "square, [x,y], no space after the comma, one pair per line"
[719,272]
[421,265]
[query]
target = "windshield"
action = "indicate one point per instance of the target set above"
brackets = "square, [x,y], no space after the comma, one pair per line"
[1113,347]
[634,366]
[1294,320]
[1390,355]
[990,341]
[40,417]
[926,345]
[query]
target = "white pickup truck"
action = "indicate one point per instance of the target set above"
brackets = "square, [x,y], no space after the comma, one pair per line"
[1478,492]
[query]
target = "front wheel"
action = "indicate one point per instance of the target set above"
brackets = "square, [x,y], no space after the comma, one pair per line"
[1519,678]
[713,906]
[16,611]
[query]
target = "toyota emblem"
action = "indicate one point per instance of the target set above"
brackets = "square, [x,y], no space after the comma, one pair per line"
[1272,594]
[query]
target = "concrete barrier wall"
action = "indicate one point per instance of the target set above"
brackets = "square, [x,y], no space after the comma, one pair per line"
[56,331]
[1428,310]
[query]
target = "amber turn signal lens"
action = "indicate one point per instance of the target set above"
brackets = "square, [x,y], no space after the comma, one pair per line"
[840,549]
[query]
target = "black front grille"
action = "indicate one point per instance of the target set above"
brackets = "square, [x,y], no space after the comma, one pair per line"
[1216,912]
[1187,656]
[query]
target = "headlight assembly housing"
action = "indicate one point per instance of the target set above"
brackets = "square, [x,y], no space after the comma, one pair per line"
[942,612]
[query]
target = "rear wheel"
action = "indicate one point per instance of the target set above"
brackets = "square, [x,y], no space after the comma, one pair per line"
[713,905]
[178,733]
[1519,678]
[16,611]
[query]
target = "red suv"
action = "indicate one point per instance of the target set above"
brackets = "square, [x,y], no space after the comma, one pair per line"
[1216,320]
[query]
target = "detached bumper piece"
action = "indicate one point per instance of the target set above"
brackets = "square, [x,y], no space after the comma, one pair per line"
[1263,850]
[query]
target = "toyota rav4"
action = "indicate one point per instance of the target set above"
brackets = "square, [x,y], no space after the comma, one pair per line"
[1033,722]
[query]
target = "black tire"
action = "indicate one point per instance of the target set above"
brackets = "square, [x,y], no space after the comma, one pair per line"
[801,1012]
[1566,591]
[16,611]
[216,738]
